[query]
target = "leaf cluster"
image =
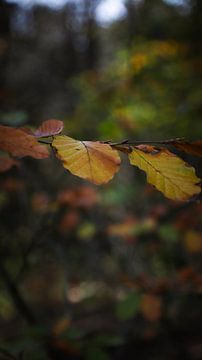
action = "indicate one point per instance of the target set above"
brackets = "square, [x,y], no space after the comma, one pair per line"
[98,161]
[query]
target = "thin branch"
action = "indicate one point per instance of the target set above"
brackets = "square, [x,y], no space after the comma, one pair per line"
[45,142]
[128,142]
[17,297]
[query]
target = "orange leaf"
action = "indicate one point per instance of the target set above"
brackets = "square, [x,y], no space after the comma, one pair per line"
[69,221]
[19,143]
[193,241]
[151,307]
[6,163]
[49,128]
[193,148]
[82,197]
[94,161]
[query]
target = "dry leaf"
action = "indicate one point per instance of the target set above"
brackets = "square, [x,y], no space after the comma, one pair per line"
[89,160]
[166,171]
[19,143]
[49,128]
[193,148]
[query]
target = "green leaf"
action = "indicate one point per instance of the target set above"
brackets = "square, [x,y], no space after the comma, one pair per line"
[129,307]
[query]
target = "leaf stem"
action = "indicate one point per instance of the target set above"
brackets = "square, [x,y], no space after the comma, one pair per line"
[45,142]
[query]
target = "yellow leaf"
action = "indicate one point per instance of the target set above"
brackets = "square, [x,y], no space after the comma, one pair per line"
[89,160]
[166,171]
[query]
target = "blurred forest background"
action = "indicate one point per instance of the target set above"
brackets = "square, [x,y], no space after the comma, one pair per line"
[109,272]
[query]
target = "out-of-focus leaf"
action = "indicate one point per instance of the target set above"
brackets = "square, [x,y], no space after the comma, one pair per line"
[83,197]
[89,160]
[49,128]
[18,143]
[124,229]
[193,241]
[151,307]
[14,118]
[168,232]
[86,231]
[6,163]
[11,184]
[166,171]
[61,326]
[69,221]
[108,340]
[40,202]
[96,353]
[193,148]
[129,307]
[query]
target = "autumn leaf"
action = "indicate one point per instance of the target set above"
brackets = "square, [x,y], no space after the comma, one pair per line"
[83,197]
[166,171]
[19,143]
[49,128]
[193,148]
[94,161]
[151,307]
[6,163]
[192,241]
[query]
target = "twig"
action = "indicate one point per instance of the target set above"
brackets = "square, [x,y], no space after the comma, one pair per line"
[17,297]
[127,142]
[45,142]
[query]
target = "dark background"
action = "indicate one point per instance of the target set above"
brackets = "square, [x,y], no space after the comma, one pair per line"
[109,272]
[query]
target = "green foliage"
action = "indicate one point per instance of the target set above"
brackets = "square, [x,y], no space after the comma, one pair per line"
[128,307]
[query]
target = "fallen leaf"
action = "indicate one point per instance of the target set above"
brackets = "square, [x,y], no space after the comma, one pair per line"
[89,160]
[166,171]
[6,163]
[193,148]
[49,128]
[19,143]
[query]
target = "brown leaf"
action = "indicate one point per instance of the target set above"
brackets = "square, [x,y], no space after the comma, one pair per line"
[19,143]
[193,148]
[40,202]
[83,197]
[151,307]
[6,163]
[69,221]
[193,241]
[49,128]
[27,130]
[12,185]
